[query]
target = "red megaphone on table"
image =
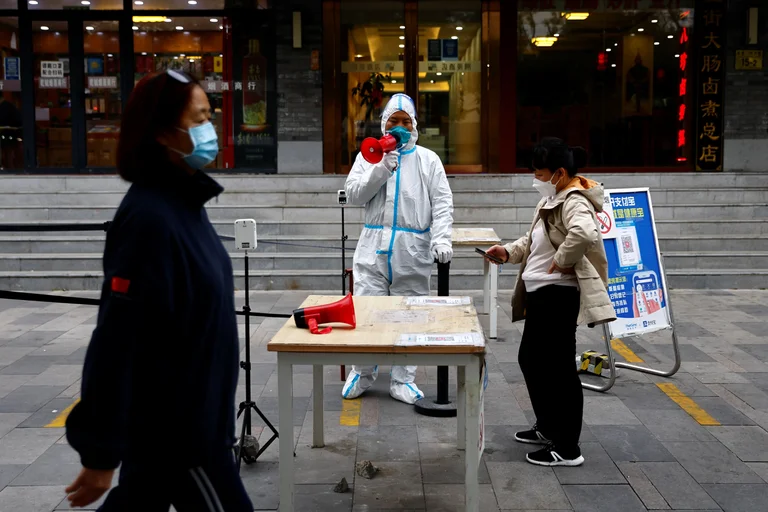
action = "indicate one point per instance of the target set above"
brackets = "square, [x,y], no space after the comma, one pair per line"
[341,312]
[373,149]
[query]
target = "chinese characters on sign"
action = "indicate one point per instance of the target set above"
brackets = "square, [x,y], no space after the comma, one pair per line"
[102,82]
[682,122]
[54,83]
[710,40]
[51,69]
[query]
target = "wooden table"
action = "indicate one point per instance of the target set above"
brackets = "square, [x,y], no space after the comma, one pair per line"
[483,238]
[392,331]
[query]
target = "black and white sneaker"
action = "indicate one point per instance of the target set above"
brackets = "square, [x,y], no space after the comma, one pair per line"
[532,436]
[551,456]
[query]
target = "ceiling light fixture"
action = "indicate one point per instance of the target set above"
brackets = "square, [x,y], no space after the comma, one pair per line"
[641,30]
[454,37]
[401,45]
[459,28]
[654,21]
[150,19]
[214,20]
[613,65]
[556,35]
[134,27]
[608,49]
[192,2]
[394,81]
[402,27]
[138,2]
[670,36]
[575,16]
[32,2]
[110,55]
[85,2]
[402,37]
[544,42]
[677,55]
[89,28]
[179,27]
[44,28]
[656,43]
[439,73]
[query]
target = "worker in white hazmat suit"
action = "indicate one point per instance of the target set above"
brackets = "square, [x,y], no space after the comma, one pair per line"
[408,225]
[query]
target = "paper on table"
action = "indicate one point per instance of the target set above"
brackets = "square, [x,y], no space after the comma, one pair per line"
[424,340]
[400,316]
[438,301]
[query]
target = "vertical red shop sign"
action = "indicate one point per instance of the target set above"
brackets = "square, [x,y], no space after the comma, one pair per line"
[710,28]
[682,121]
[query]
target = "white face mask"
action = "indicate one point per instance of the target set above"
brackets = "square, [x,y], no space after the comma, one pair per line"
[545,188]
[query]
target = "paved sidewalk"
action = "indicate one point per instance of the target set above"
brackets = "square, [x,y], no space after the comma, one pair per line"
[705,450]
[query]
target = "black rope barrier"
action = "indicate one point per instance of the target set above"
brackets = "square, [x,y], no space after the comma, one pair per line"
[20,228]
[84,301]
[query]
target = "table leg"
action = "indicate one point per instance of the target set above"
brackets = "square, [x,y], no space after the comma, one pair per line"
[285,417]
[486,286]
[461,406]
[494,311]
[318,437]
[471,453]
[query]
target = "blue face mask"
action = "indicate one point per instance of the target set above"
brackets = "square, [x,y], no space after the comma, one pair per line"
[401,134]
[205,146]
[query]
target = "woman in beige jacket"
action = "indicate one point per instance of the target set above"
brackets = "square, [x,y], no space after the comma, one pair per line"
[561,283]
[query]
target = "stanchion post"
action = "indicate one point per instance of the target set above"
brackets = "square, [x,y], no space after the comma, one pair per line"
[440,406]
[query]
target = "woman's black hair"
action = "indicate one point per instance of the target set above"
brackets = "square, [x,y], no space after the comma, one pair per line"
[552,153]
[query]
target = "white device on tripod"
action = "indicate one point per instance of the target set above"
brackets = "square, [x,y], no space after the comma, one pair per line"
[245,234]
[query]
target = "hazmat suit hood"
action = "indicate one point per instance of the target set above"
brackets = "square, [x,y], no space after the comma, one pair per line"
[401,102]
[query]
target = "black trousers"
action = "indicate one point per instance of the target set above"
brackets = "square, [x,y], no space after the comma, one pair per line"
[547,359]
[153,487]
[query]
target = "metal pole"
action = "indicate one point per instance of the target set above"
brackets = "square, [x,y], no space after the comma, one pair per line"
[441,405]
[247,363]
[343,255]
[611,365]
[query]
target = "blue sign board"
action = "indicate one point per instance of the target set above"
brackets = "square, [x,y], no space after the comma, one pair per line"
[12,68]
[450,49]
[636,281]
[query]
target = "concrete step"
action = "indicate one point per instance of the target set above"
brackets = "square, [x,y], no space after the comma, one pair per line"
[330,280]
[518,197]
[464,259]
[508,229]
[331,183]
[77,244]
[477,214]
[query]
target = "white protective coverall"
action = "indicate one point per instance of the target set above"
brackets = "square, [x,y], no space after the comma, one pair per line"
[408,224]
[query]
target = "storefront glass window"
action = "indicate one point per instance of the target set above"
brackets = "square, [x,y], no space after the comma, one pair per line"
[194,45]
[103,106]
[53,102]
[612,80]
[11,139]
[93,5]
[450,64]
[372,53]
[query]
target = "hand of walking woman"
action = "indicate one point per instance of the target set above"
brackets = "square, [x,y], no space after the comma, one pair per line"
[89,486]
[555,268]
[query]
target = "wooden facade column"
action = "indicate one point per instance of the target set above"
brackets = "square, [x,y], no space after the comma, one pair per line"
[412,51]
[506,89]
[331,66]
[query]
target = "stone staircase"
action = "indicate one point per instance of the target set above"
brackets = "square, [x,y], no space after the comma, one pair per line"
[712,227]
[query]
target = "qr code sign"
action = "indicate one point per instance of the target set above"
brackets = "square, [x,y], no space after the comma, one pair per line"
[626,244]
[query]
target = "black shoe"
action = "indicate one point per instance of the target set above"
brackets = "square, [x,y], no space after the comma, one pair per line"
[532,436]
[551,456]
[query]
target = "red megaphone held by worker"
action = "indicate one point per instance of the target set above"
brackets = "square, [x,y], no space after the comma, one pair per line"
[373,149]
[340,312]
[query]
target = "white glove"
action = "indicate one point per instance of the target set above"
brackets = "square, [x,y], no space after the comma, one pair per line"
[442,253]
[389,161]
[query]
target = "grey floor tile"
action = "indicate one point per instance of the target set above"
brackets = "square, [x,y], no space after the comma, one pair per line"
[759,379]
[58,375]
[388,443]
[677,487]
[34,339]
[750,394]
[11,420]
[36,319]
[443,463]
[603,498]
[397,486]
[30,365]
[598,468]
[31,498]
[261,481]
[750,444]
[631,443]
[642,486]
[756,328]
[441,433]
[643,396]
[712,463]
[739,497]
[692,330]
[47,413]
[761,468]
[10,471]
[25,445]
[327,465]
[756,310]
[500,444]
[607,410]
[321,498]
[29,398]
[674,425]
[722,411]
[59,465]
[520,485]
[10,383]
[450,498]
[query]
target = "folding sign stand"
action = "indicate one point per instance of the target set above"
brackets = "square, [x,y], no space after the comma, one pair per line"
[613,365]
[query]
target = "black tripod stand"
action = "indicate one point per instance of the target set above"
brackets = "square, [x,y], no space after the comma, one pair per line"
[248,446]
